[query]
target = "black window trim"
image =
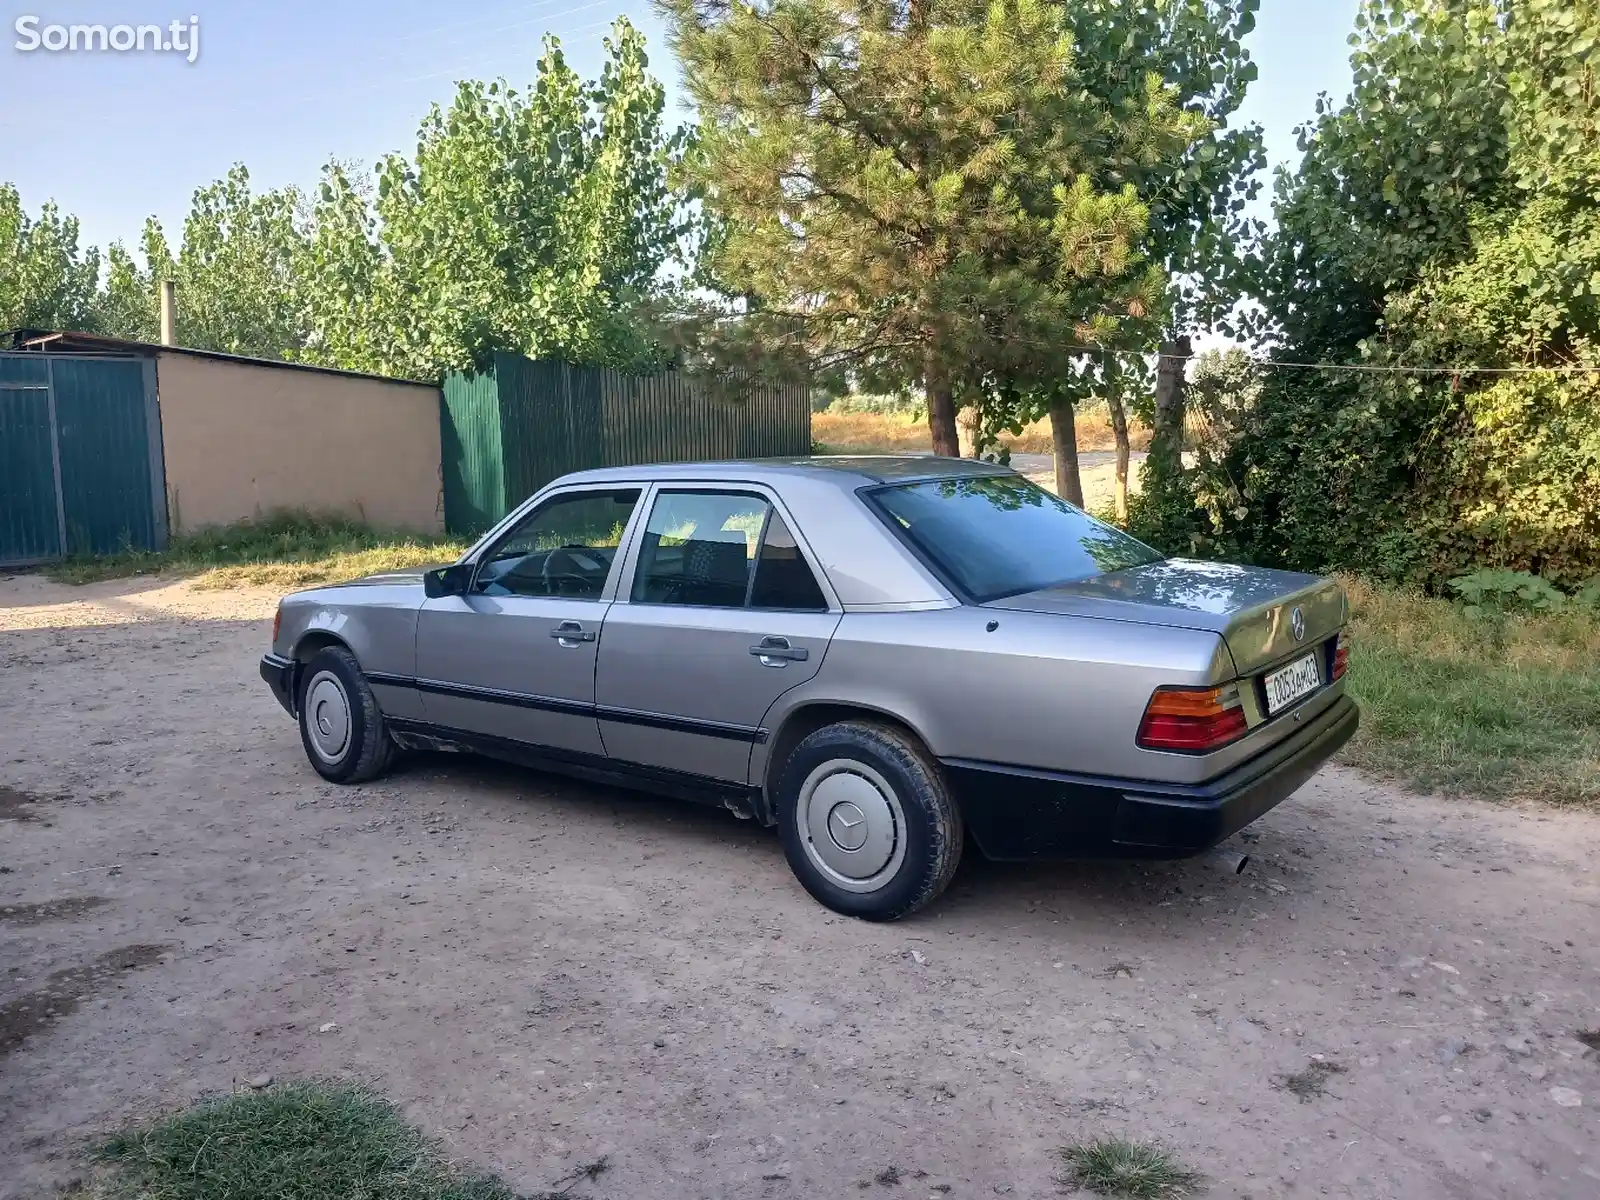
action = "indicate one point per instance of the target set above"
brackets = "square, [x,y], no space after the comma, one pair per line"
[971,599]
[517,521]
[756,492]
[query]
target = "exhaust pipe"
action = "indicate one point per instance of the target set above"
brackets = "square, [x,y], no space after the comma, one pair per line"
[1228,862]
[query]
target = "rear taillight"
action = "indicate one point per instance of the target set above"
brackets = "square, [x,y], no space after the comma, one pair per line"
[1192,720]
[1341,655]
[277,622]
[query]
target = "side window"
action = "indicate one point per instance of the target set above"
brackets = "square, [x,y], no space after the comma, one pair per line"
[565,547]
[783,578]
[699,548]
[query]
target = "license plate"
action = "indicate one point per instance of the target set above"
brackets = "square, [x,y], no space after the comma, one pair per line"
[1288,684]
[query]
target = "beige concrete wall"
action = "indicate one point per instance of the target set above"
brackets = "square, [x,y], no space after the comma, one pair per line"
[241,440]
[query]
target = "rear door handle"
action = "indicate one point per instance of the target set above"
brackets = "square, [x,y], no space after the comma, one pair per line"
[570,633]
[776,651]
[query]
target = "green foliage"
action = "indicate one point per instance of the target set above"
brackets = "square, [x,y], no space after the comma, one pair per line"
[1496,590]
[236,271]
[539,221]
[935,195]
[297,1141]
[1501,589]
[1199,508]
[1442,217]
[1195,193]
[1126,1170]
[534,221]
[46,280]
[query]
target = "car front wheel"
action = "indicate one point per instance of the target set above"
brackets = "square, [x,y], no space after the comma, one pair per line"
[868,825]
[340,723]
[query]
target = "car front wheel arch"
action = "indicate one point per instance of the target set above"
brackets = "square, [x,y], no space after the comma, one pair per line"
[314,640]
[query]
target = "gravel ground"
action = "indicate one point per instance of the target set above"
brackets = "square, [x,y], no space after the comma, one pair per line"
[541,973]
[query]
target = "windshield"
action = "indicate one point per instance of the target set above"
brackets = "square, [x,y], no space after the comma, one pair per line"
[1000,535]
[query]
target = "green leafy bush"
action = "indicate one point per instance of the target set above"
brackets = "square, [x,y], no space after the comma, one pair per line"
[1501,589]
[1444,218]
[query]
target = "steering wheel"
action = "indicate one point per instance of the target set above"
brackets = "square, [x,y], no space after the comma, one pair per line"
[574,573]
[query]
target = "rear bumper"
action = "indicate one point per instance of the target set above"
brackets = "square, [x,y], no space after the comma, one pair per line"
[1016,813]
[279,674]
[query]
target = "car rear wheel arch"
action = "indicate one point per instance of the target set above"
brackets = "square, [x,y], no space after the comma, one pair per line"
[806,720]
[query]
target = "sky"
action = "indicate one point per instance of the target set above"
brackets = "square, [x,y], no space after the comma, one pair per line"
[283,87]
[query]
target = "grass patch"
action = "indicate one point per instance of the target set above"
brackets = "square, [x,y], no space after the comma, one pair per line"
[287,550]
[297,1141]
[1128,1170]
[1502,707]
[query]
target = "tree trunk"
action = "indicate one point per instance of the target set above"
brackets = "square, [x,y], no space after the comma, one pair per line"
[1064,439]
[1119,428]
[1166,439]
[967,422]
[941,408]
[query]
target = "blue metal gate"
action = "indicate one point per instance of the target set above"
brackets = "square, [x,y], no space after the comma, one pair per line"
[80,457]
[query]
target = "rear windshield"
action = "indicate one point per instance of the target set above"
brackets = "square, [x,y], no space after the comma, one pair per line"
[1000,535]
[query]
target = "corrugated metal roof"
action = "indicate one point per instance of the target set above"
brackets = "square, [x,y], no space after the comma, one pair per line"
[52,341]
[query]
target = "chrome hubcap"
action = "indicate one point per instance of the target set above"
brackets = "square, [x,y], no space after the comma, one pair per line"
[327,716]
[851,825]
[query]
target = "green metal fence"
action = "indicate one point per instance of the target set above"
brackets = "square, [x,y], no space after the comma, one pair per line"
[509,431]
[80,457]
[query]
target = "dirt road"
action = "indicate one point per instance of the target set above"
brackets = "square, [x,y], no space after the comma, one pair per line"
[542,973]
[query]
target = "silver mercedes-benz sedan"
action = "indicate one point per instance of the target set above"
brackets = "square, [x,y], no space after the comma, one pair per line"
[879,656]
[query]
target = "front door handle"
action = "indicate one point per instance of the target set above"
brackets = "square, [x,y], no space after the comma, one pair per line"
[571,633]
[776,652]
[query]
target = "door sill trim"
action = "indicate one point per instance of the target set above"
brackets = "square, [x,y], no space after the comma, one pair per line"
[740,799]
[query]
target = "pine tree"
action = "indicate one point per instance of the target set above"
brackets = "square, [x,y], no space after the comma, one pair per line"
[924,194]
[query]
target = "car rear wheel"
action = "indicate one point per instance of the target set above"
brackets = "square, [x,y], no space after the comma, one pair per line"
[868,825]
[340,724]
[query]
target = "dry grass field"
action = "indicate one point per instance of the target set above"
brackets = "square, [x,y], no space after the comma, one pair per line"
[903,433]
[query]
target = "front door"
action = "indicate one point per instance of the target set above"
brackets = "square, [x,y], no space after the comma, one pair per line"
[514,658]
[723,616]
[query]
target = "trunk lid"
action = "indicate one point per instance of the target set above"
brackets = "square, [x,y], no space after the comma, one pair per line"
[1251,608]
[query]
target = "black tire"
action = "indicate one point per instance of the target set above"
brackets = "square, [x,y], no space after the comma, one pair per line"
[932,833]
[366,749]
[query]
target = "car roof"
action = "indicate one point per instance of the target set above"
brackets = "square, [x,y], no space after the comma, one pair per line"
[845,471]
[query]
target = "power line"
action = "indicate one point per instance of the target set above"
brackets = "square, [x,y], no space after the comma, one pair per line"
[1402,369]
[1372,368]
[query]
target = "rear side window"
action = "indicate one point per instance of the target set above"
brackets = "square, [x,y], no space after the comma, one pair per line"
[1001,535]
[722,550]
[699,549]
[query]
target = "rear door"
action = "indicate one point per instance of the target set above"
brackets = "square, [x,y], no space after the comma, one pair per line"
[721,614]
[514,658]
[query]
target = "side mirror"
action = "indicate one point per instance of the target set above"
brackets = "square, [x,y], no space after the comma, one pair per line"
[447,581]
